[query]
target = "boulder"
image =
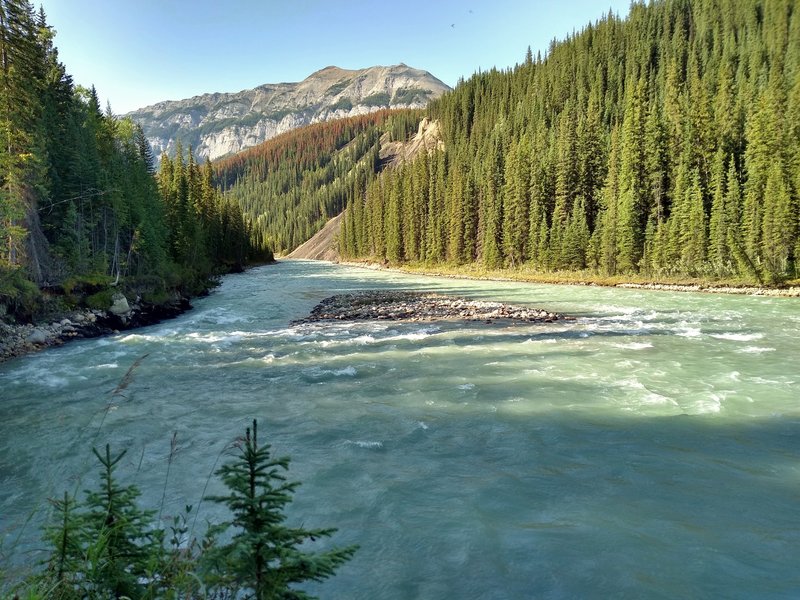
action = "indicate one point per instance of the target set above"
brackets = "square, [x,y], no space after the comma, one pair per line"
[119,305]
[37,336]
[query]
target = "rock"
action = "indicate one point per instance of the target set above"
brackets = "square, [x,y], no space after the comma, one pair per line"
[419,306]
[119,305]
[37,336]
[18,340]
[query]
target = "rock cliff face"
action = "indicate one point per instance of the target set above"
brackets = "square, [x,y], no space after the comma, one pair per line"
[220,124]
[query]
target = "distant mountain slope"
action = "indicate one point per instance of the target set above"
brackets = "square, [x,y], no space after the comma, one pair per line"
[220,124]
[323,245]
[289,186]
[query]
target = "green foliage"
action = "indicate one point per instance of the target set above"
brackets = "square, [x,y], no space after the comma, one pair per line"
[342,104]
[410,96]
[288,187]
[105,546]
[264,556]
[120,537]
[100,300]
[337,87]
[19,297]
[78,196]
[379,99]
[676,130]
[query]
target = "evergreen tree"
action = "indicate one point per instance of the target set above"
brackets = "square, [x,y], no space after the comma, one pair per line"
[693,233]
[632,200]
[693,89]
[264,556]
[516,203]
[123,535]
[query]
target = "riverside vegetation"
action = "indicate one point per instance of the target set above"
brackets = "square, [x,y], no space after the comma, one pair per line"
[107,546]
[82,212]
[658,147]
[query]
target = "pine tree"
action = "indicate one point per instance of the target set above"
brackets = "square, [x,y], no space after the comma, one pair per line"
[264,556]
[718,223]
[633,206]
[117,534]
[394,221]
[778,225]
[22,157]
[608,222]
[490,240]
[693,233]
[764,134]
[516,203]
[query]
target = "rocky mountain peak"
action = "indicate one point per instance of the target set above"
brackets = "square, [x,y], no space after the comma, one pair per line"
[217,124]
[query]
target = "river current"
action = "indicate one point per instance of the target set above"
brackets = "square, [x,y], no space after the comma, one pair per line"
[650,448]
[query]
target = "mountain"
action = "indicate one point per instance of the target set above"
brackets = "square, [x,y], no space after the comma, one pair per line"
[219,124]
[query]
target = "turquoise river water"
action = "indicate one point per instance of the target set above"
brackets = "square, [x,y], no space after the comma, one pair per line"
[648,449]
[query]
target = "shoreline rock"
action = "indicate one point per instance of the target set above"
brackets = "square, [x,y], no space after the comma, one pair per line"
[791,292]
[420,306]
[19,340]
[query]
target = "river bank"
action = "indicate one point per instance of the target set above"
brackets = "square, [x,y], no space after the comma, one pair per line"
[21,339]
[567,278]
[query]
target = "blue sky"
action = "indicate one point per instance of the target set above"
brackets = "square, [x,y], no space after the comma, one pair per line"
[143,51]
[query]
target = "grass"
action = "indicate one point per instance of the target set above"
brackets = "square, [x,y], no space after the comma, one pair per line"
[530,275]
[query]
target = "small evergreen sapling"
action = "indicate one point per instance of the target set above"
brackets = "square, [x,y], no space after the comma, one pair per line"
[265,556]
[105,546]
[127,545]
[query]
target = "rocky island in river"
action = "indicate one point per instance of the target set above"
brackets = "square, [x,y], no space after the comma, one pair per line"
[419,306]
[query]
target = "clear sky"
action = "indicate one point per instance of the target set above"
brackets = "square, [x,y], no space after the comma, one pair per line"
[139,52]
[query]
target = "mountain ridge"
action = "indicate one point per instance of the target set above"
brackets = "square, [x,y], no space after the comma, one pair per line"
[216,124]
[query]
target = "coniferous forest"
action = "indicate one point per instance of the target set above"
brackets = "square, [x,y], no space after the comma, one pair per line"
[289,186]
[80,200]
[665,144]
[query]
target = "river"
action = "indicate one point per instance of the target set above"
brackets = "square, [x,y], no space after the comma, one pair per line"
[649,448]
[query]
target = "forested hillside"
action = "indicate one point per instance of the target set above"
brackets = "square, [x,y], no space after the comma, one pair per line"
[288,187]
[79,197]
[663,144]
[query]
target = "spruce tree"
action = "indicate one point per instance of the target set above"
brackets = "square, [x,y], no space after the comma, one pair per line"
[633,207]
[265,556]
[778,224]
[118,533]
